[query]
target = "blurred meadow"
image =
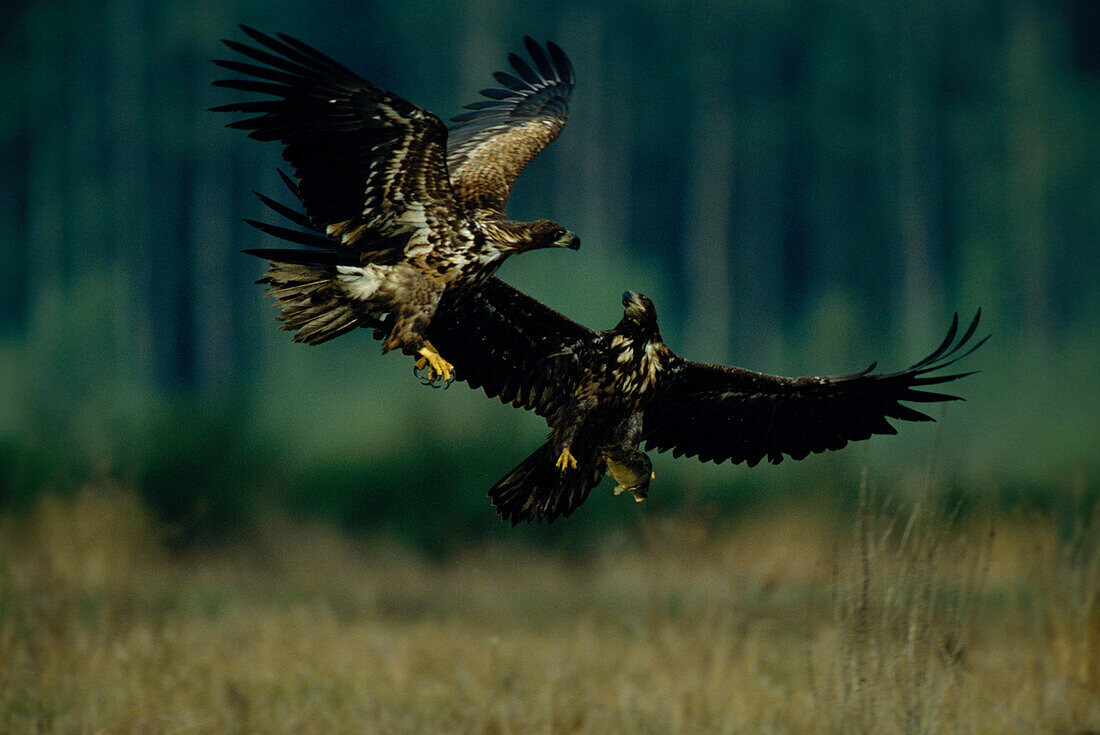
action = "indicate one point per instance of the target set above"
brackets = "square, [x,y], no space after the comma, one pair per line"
[205,527]
[784,622]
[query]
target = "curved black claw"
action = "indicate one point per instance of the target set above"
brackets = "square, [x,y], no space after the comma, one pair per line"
[432,382]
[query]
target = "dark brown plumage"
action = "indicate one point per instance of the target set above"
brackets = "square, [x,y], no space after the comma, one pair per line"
[623,387]
[371,170]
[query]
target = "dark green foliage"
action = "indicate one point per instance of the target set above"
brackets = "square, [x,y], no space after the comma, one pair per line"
[27,470]
[203,471]
[881,166]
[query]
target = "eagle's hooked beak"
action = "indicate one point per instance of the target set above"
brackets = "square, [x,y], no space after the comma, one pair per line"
[568,240]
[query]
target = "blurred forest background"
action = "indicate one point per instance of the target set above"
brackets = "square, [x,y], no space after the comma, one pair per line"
[800,187]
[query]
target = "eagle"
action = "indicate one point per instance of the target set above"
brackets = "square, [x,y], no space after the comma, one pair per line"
[604,393]
[415,210]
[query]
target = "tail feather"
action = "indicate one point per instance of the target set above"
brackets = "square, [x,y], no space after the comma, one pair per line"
[304,282]
[311,304]
[537,490]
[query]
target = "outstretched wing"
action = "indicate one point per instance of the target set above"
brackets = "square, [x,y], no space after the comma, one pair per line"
[716,413]
[491,145]
[371,166]
[512,346]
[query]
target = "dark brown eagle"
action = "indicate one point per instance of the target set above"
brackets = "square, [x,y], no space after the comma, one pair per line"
[419,212]
[605,392]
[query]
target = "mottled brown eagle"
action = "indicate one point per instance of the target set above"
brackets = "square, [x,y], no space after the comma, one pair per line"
[417,209]
[605,392]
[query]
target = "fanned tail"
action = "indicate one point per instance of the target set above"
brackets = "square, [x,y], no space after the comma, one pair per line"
[537,490]
[310,303]
[304,281]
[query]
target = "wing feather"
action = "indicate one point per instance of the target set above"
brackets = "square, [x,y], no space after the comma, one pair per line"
[371,166]
[512,346]
[717,412]
[491,145]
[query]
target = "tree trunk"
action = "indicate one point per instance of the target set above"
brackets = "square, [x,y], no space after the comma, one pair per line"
[708,217]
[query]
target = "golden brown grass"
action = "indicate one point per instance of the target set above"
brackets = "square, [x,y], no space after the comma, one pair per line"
[788,623]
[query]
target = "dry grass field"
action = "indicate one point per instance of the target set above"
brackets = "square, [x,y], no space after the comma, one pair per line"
[787,623]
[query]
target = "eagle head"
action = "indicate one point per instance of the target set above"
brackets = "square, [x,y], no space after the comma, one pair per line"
[638,314]
[542,233]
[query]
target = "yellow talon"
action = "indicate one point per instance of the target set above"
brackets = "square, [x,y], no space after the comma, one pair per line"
[437,366]
[566,461]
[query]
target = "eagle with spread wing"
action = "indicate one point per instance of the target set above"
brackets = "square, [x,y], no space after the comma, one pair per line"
[603,393]
[414,210]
